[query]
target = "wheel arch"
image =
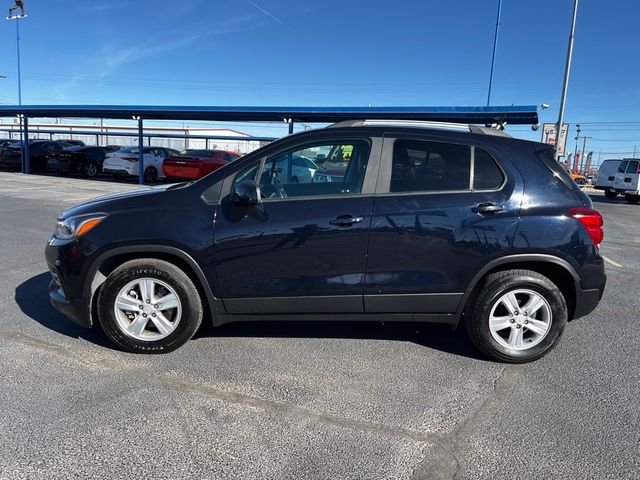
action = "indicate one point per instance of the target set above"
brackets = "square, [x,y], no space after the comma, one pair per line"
[110,260]
[558,270]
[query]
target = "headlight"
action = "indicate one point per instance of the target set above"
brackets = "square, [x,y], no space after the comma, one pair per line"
[74,227]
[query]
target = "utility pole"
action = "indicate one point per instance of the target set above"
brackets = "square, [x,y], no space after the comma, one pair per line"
[567,70]
[575,155]
[495,46]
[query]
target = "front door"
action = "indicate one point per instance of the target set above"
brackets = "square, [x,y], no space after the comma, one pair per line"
[303,248]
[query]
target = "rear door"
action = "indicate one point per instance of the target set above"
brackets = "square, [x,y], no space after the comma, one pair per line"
[607,173]
[441,208]
[627,176]
[304,248]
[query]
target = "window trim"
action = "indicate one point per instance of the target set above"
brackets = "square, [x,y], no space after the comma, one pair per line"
[383,185]
[370,177]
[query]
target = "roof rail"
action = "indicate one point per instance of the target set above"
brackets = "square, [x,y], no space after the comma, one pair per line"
[423,124]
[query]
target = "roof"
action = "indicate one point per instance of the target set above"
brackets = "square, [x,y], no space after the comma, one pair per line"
[524,115]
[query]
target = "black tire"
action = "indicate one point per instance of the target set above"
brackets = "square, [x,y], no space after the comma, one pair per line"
[632,198]
[90,169]
[166,272]
[496,285]
[150,175]
[610,194]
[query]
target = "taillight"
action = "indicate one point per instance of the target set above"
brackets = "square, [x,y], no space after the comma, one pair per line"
[131,159]
[592,220]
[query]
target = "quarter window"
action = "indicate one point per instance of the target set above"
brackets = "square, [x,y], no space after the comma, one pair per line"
[486,173]
[422,166]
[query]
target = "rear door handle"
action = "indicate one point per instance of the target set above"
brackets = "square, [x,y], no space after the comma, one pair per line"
[345,220]
[487,207]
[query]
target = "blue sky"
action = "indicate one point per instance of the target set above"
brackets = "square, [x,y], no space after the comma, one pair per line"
[334,53]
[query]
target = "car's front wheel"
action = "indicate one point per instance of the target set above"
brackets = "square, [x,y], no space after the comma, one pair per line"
[518,316]
[149,306]
[90,169]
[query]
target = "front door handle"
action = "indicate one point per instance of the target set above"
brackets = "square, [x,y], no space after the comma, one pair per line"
[345,220]
[487,207]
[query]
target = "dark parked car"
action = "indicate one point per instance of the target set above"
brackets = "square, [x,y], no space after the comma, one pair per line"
[85,160]
[11,156]
[426,225]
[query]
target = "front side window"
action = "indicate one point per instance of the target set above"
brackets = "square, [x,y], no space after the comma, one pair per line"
[294,173]
[423,166]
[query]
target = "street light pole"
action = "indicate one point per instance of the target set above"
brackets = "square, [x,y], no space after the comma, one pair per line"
[495,46]
[18,52]
[567,70]
[17,18]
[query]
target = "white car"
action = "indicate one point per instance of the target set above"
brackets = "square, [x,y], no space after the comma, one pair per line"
[302,169]
[125,162]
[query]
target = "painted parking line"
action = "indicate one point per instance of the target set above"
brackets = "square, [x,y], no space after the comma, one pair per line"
[608,260]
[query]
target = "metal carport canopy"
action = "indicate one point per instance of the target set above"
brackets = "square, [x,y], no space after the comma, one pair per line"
[522,115]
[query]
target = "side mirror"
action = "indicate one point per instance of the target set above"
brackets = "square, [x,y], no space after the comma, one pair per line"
[246,193]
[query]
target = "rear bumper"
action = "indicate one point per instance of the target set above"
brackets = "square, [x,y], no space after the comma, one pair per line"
[113,171]
[587,301]
[627,192]
[181,172]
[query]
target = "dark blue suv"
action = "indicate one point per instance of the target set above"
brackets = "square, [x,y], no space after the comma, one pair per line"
[388,221]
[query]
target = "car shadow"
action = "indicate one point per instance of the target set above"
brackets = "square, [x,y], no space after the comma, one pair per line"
[603,199]
[33,299]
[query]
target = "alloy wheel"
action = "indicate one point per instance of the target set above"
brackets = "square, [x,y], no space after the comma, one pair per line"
[520,319]
[147,309]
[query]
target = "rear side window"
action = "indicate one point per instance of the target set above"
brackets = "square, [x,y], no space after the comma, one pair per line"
[486,172]
[547,156]
[429,166]
[622,168]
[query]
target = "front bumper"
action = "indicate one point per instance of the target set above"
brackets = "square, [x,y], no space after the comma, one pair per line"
[66,289]
[11,162]
[75,311]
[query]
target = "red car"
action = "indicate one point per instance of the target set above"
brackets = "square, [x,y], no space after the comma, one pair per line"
[194,164]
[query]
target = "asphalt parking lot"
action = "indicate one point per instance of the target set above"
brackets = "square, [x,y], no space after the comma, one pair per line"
[306,400]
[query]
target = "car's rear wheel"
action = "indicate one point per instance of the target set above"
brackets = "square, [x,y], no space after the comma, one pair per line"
[610,194]
[90,169]
[149,306]
[632,198]
[150,174]
[518,316]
